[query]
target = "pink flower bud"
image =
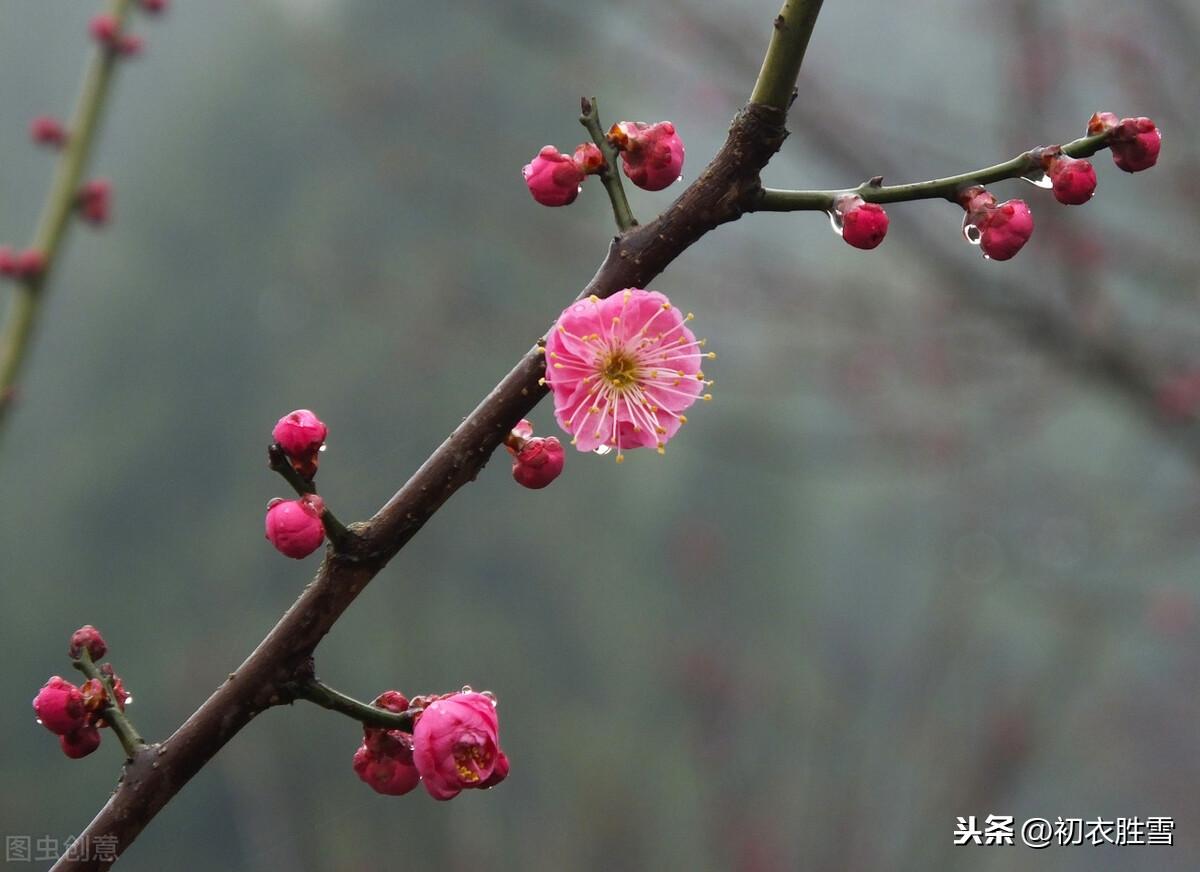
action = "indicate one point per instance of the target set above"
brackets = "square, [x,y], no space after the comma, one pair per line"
[651,154]
[8,262]
[863,224]
[104,29]
[59,706]
[553,178]
[392,700]
[515,440]
[1135,144]
[80,743]
[94,201]
[129,46]
[45,130]
[294,526]
[538,462]
[30,263]
[87,637]
[301,435]
[385,773]
[154,7]
[1101,122]
[1073,181]
[456,745]
[1005,228]
[588,158]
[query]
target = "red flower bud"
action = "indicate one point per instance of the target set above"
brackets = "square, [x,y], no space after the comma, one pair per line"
[1135,144]
[294,526]
[59,706]
[998,229]
[863,224]
[651,154]
[301,435]
[45,130]
[385,773]
[538,462]
[80,743]
[87,637]
[588,158]
[553,178]
[1073,181]
[1101,122]
[94,201]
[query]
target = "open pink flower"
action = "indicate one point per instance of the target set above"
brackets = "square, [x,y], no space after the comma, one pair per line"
[456,745]
[623,370]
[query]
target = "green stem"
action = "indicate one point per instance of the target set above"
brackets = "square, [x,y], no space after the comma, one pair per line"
[128,736]
[785,53]
[279,462]
[56,213]
[589,117]
[368,715]
[947,188]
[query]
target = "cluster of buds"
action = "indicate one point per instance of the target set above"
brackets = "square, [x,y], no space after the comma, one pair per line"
[1134,142]
[651,154]
[76,713]
[537,460]
[295,527]
[106,31]
[454,746]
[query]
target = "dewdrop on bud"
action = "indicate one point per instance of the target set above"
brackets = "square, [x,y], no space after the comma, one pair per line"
[651,154]
[553,178]
[1000,230]
[301,435]
[294,526]
[861,224]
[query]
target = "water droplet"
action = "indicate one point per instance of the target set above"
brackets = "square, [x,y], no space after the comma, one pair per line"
[835,221]
[971,232]
[1039,179]
[602,450]
[322,448]
[466,688]
[38,721]
[492,697]
[129,700]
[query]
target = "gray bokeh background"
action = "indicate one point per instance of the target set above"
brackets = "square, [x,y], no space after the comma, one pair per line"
[910,564]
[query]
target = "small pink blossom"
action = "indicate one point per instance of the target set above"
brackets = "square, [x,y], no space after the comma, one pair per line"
[651,154]
[59,706]
[623,370]
[553,178]
[81,742]
[1073,181]
[863,224]
[456,745]
[538,463]
[294,526]
[48,131]
[89,638]
[1135,144]
[104,29]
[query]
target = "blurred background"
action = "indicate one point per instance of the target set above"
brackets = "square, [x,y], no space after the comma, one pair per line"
[930,553]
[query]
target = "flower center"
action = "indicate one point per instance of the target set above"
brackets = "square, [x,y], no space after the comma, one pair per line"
[619,370]
[470,760]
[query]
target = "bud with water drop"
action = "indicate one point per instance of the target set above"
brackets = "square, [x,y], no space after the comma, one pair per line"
[553,178]
[861,224]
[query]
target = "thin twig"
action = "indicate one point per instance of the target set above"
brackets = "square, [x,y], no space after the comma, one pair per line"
[589,117]
[126,733]
[278,461]
[316,691]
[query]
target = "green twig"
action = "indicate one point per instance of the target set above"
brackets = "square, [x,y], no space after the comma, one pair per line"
[371,716]
[22,314]
[126,733]
[278,461]
[785,53]
[589,117]
[947,188]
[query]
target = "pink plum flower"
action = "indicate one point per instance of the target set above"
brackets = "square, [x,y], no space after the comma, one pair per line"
[456,745]
[623,370]
[553,178]
[1073,181]
[59,706]
[294,526]
[651,154]
[863,224]
[301,435]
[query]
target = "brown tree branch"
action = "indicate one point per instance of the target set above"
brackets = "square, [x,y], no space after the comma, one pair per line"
[722,192]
